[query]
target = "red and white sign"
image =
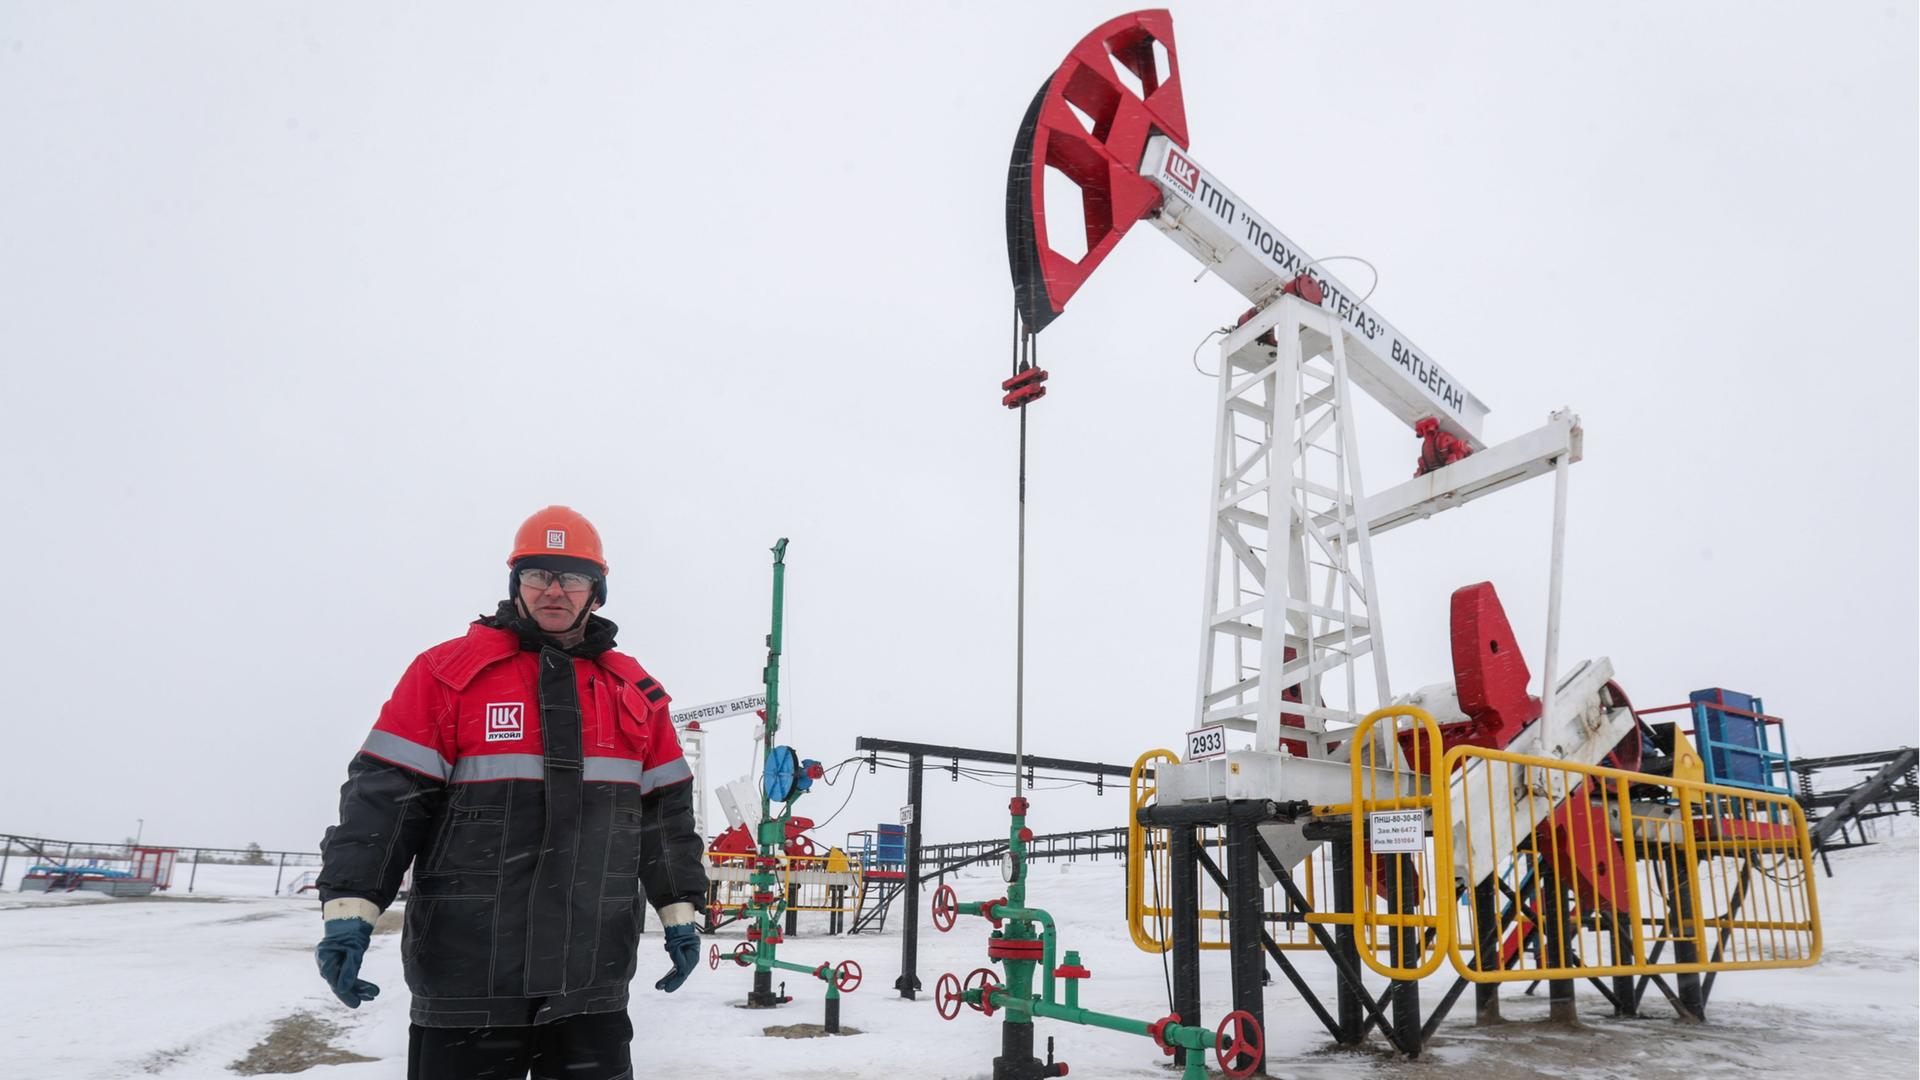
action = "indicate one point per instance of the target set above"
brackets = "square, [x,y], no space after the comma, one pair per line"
[1182,171]
[506,721]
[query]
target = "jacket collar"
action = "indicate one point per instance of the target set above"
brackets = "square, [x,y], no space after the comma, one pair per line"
[493,638]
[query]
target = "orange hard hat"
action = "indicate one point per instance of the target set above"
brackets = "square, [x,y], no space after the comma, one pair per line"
[558,531]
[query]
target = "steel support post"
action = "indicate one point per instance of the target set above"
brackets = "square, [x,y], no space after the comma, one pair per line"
[833,1011]
[1555,940]
[1347,1008]
[909,980]
[1486,949]
[1406,952]
[793,916]
[1183,862]
[1246,925]
[1685,925]
[1620,926]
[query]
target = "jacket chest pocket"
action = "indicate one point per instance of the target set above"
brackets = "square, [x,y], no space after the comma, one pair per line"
[632,710]
[472,839]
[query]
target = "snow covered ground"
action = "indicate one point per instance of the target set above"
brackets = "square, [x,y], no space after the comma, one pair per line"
[182,987]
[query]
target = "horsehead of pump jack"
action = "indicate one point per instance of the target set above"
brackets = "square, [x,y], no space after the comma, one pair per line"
[1112,119]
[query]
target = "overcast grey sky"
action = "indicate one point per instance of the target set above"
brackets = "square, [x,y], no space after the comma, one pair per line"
[304,307]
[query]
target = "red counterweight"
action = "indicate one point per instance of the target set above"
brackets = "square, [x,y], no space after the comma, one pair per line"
[1489,676]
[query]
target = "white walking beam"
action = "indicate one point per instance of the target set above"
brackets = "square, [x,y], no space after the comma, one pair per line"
[1482,473]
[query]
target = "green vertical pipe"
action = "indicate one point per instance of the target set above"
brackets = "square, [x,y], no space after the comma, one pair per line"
[764,916]
[771,673]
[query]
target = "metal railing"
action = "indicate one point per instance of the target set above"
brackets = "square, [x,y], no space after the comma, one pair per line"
[826,883]
[1716,878]
[1150,895]
[40,849]
[1521,867]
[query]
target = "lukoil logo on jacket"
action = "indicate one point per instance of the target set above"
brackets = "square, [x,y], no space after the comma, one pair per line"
[506,721]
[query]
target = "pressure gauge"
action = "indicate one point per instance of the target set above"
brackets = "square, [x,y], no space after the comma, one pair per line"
[1009,868]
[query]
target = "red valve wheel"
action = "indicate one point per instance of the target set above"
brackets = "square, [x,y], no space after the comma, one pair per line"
[713,957]
[986,980]
[847,976]
[1245,1043]
[743,953]
[946,996]
[946,908]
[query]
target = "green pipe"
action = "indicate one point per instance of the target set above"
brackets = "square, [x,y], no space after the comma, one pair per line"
[1091,1019]
[785,965]
[771,675]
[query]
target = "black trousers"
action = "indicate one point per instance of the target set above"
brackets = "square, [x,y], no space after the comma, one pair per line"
[594,1046]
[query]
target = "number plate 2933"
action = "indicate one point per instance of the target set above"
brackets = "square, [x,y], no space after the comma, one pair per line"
[1206,742]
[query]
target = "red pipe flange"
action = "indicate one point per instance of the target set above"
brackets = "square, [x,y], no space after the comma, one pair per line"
[847,976]
[987,980]
[1158,1032]
[946,908]
[987,909]
[743,954]
[1247,1042]
[1016,949]
[946,996]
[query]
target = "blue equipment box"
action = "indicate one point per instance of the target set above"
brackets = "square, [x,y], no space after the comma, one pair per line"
[1737,747]
[891,844]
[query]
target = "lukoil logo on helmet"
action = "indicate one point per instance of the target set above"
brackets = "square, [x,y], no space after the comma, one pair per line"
[506,721]
[557,539]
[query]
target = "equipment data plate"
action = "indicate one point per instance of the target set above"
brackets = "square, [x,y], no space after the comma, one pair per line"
[1397,831]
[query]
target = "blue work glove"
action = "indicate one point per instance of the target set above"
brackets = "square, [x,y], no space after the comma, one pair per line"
[339,954]
[683,944]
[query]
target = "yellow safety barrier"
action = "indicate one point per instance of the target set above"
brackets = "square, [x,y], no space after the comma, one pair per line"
[1603,872]
[1149,892]
[1588,871]
[826,883]
[1402,880]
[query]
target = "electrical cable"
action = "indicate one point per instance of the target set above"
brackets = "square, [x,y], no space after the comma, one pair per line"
[1371,289]
[1160,912]
[851,788]
[1349,258]
[1195,358]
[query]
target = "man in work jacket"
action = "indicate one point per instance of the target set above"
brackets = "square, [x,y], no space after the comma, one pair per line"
[530,776]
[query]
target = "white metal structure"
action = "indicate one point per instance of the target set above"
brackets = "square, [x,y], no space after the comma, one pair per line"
[1290,523]
[1289,585]
[689,724]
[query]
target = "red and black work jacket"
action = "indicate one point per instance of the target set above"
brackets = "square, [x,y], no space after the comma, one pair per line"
[535,794]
